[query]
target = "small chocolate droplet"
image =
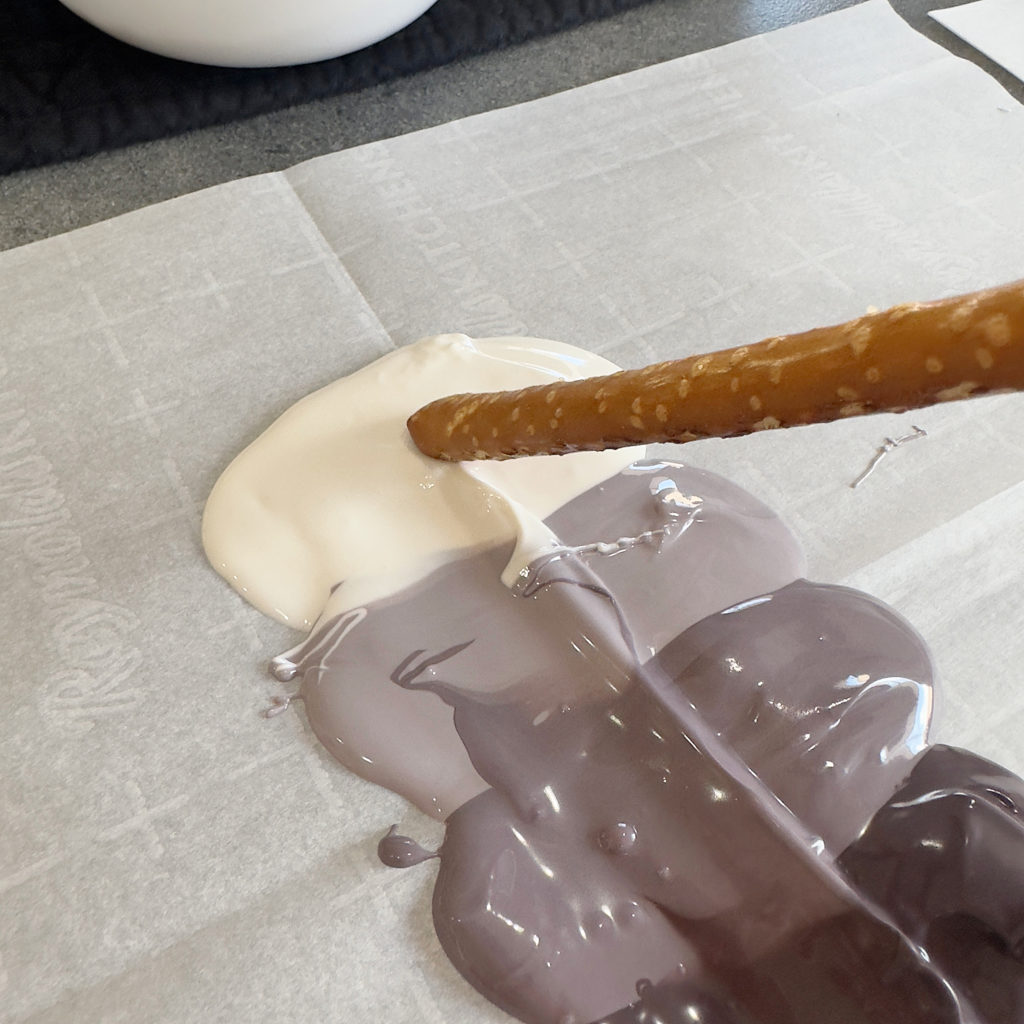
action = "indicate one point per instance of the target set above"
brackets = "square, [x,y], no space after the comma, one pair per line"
[401,851]
[619,838]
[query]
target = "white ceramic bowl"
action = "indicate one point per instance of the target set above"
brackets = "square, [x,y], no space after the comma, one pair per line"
[250,33]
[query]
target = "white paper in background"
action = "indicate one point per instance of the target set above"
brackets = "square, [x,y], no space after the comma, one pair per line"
[995,27]
[167,855]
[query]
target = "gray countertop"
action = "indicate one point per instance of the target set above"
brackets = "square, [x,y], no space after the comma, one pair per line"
[46,201]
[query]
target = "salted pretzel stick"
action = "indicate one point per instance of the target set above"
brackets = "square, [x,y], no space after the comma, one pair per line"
[903,358]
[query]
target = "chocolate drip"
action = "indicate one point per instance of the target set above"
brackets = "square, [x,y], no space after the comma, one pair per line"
[397,851]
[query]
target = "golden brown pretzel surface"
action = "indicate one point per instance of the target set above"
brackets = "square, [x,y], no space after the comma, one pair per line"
[902,358]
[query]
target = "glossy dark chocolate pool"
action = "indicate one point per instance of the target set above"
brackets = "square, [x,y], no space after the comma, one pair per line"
[701,786]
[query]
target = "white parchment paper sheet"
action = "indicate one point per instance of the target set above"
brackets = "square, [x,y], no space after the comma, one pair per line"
[167,855]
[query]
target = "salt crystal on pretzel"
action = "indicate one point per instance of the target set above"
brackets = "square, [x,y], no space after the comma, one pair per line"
[902,358]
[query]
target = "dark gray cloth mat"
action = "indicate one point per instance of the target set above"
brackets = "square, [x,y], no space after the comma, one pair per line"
[68,90]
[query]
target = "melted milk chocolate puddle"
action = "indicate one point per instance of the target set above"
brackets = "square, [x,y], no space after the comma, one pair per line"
[681,784]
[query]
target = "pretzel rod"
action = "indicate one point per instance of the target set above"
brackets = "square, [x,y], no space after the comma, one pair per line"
[903,358]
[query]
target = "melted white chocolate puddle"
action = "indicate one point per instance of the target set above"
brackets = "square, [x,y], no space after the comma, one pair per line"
[335,495]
